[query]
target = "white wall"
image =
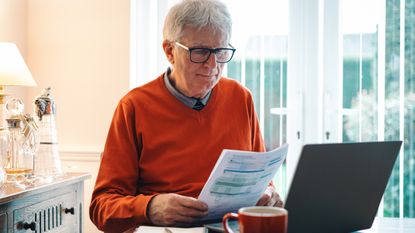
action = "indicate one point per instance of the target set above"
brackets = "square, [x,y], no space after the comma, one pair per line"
[13,28]
[81,49]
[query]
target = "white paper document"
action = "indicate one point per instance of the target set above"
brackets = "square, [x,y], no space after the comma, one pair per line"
[154,229]
[239,178]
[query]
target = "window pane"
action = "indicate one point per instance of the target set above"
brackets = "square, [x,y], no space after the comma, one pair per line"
[351,69]
[260,64]
[235,69]
[409,133]
[392,91]
[253,69]
[369,92]
[360,82]
[361,106]
[275,87]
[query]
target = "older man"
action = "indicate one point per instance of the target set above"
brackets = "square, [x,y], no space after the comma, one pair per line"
[166,136]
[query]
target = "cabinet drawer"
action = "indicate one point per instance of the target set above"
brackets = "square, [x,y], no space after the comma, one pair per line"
[58,214]
[3,222]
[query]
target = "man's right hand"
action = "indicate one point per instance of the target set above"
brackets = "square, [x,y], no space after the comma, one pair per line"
[175,210]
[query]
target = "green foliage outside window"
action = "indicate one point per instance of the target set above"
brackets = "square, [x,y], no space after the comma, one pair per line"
[368,100]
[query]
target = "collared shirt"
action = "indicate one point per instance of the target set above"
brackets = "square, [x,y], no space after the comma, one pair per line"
[188,101]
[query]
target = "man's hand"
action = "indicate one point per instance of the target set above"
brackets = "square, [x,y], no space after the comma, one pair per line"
[270,198]
[175,210]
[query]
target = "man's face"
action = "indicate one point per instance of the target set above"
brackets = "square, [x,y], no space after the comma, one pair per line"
[196,79]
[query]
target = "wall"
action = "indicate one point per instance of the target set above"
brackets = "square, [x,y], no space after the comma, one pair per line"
[81,49]
[13,28]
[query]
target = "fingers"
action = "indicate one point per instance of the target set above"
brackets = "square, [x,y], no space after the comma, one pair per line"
[279,203]
[191,212]
[175,210]
[270,198]
[193,203]
[276,199]
[265,198]
[192,207]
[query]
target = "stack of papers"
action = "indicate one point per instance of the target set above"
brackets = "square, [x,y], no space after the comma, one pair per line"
[239,178]
[153,229]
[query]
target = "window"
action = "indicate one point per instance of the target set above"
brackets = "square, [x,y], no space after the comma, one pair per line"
[378,88]
[344,72]
[260,64]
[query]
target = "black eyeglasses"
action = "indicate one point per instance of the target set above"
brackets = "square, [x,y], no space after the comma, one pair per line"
[201,55]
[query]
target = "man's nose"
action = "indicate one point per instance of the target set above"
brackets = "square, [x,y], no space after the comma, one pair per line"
[211,61]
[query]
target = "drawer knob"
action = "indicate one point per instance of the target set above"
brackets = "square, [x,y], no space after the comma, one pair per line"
[70,210]
[31,226]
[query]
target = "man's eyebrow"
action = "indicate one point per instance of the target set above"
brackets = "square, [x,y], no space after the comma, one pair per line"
[206,46]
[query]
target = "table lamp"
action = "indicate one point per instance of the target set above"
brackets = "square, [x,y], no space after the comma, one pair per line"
[13,72]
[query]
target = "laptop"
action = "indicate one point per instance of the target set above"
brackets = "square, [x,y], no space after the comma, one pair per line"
[338,187]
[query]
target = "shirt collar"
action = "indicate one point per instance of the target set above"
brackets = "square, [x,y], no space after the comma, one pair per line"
[188,101]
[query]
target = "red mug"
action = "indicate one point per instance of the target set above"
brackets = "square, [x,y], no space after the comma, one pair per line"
[258,219]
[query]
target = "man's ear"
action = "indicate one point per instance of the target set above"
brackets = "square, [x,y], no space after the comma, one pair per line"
[168,50]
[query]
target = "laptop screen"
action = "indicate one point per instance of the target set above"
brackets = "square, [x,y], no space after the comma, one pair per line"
[338,187]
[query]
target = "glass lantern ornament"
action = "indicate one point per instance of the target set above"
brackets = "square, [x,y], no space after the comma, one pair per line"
[20,159]
[48,162]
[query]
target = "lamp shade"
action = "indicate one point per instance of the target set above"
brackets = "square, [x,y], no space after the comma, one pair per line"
[13,69]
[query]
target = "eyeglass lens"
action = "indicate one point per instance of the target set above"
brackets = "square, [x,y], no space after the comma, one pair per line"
[202,55]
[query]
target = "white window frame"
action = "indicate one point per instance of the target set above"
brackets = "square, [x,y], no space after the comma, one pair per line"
[147,58]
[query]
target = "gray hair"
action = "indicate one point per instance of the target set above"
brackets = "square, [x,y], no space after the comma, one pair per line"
[198,14]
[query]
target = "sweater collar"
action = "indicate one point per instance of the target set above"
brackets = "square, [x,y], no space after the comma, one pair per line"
[188,101]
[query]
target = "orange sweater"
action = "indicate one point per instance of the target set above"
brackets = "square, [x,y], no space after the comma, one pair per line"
[156,144]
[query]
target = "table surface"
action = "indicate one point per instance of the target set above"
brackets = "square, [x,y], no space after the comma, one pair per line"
[380,225]
[12,190]
[392,225]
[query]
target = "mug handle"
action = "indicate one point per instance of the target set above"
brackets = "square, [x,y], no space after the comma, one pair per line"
[225,221]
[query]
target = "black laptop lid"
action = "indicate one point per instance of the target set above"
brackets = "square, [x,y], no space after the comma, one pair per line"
[338,187]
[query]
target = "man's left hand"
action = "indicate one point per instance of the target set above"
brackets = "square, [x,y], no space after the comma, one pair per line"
[270,198]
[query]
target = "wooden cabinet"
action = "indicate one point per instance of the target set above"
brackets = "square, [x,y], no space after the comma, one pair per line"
[53,205]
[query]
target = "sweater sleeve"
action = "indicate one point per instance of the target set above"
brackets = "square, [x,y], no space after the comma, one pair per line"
[115,205]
